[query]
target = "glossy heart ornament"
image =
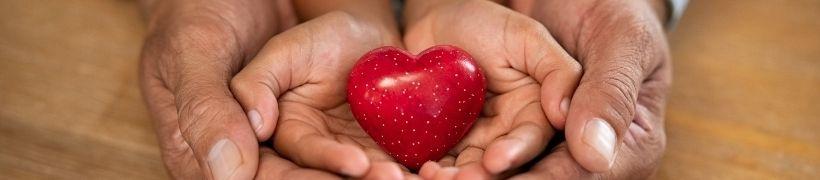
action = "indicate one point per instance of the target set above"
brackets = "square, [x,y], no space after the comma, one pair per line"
[416,107]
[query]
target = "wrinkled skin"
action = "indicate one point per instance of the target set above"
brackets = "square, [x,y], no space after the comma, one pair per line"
[623,49]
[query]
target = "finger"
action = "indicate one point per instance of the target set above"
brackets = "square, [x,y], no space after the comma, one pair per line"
[271,166]
[384,170]
[447,160]
[176,153]
[428,170]
[469,155]
[213,124]
[557,165]
[472,171]
[446,173]
[639,159]
[305,145]
[268,75]
[516,148]
[258,98]
[604,104]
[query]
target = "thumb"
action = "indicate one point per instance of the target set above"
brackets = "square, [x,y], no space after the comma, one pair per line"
[213,125]
[604,104]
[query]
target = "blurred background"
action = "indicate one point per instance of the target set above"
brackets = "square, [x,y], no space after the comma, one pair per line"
[745,102]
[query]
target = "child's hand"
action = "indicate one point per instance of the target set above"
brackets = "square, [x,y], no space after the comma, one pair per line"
[528,74]
[304,70]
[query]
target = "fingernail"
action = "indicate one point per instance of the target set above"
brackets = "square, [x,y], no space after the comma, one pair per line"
[223,159]
[256,119]
[599,135]
[564,106]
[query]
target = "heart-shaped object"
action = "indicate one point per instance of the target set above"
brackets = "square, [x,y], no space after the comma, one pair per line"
[416,107]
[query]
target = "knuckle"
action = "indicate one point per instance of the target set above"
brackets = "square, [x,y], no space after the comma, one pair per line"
[618,90]
[240,83]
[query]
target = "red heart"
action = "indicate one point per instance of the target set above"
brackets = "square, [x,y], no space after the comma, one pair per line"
[416,107]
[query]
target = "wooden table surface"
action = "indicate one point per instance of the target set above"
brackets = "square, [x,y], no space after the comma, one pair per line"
[745,102]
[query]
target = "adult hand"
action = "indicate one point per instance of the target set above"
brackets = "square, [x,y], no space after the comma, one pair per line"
[528,74]
[615,123]
[192,50]
[304,70]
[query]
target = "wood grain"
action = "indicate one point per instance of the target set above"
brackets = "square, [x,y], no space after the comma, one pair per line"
[745,102]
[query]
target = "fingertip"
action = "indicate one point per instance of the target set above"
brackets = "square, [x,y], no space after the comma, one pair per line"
[428,170]
[446,173]
[472,172]
[595,148]
[500,154]
[555,106]
[259,103]
[384,170]
[355,162]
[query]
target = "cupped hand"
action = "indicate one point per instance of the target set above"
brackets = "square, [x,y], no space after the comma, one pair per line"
[297,82]
[616,118]
[190,54]
[530,79]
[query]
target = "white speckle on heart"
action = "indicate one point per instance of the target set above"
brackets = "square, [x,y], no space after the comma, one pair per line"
[456,75]
[428,122]
[414,130]
[411,117]
[382,124]
[447,89]
[459,109]
[378,115]
[419,105]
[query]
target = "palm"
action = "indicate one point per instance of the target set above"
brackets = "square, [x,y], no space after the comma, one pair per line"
[330,119]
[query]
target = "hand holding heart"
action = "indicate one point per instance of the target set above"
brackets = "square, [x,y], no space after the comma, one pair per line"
[296,84]
[530,78]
